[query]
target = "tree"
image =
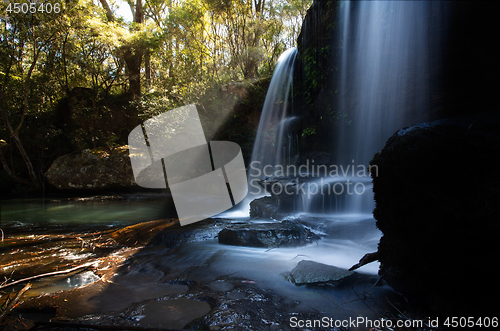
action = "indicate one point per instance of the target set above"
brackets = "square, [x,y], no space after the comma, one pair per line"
[172,53]
[133,51]
[26,40]
[254,30]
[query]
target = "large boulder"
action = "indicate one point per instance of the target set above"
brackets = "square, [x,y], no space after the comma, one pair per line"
[93,169]
[437,193]
[270,235]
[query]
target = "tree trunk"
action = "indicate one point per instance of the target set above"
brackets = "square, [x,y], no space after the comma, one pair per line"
[147,67]
[138,12]
[14,133]
[133,60]
[109,13]
[133,57]
[9,172]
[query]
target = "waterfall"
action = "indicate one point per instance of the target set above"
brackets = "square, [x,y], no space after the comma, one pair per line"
[383,73]
[275,143]
[382,86]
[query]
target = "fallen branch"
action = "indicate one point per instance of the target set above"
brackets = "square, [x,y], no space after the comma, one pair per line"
[60,272]
[13,302]
[368,258]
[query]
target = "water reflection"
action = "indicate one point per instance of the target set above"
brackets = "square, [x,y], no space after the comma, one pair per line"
[83,211]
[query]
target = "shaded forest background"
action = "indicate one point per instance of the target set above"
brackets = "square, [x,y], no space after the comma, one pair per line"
[84,77]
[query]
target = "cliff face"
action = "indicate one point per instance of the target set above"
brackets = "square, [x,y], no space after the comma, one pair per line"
[315,76]
[469,62]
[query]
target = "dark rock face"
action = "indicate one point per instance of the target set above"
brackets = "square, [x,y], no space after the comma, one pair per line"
[283,190]
[315,76]
[438,203]
[264,208]
[284,234]
[469,66]
[92,169]
[310,272]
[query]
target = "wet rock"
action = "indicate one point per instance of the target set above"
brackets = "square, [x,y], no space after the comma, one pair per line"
[92,169]
[265,208]
[437,196]
[176,235]
[310,272]
[317,158]
[284,191]
[173,314]
[284,234]
[142,233]
[236,89]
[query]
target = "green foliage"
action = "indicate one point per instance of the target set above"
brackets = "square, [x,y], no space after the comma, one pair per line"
[178,52]
[309,131]
[316,74]
[153,104]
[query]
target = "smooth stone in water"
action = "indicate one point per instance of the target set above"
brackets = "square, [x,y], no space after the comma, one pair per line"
[308,272]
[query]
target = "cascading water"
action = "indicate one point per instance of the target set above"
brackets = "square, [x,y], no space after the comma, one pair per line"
[275,144]
[384,70]
[382,87]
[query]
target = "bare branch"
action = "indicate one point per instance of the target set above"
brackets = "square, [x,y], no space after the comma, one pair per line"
[13,302]
[367,258]
[86,265]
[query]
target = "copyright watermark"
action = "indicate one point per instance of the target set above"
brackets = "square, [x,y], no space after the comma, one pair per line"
[358,322]
[382,323]
[309,179]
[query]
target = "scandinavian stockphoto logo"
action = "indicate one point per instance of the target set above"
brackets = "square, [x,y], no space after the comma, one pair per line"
[205,178]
